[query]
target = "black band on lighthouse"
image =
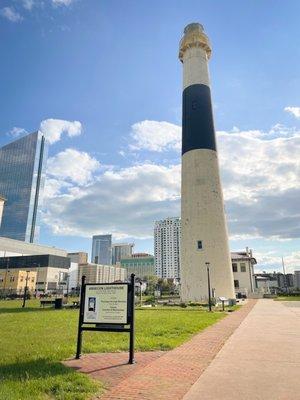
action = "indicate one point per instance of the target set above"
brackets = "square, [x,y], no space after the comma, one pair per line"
[198,130]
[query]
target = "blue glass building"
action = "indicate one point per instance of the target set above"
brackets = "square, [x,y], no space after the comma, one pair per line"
[102,250]
[22,176]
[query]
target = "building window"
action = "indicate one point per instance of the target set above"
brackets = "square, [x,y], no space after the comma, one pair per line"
[12,279]
[199,245]
[243,267]
[234,267]
[236,284]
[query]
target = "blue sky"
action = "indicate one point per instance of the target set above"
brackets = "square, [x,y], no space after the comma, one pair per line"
[113,67]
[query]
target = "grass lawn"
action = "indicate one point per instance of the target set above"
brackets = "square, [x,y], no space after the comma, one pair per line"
[34,340]
[288,298]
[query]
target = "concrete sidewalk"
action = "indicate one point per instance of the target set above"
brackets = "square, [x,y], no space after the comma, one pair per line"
[261,360]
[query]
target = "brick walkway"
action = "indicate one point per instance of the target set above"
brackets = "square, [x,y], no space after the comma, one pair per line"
[111,368]
[168,375]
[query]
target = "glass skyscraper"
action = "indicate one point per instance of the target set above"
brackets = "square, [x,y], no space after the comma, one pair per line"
[101,250]
[22,176]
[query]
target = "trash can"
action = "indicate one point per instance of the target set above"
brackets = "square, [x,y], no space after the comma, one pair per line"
[231,302]
[58,304]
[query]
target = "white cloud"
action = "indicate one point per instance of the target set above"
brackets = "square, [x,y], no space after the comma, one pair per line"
[16,132]
[155,136]
[269,261]
[62,2]
[10,14]
[72,165]
[123,201]
[295,111]
[28,4]
[54,128]
[260,174]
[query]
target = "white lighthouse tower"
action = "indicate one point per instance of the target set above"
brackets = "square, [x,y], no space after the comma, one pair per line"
[204,237]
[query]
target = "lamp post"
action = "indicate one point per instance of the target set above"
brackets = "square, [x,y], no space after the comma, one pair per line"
[208,285]
[141,283]
[5,277]
[68,280]
[25,290]
[37,275]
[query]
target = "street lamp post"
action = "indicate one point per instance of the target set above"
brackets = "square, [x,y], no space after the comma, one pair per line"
[208,285]
[141,301]
[5,277]
[68,280]
[37,275]
[25,290]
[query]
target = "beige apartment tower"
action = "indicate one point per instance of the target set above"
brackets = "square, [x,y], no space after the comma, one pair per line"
[204,237]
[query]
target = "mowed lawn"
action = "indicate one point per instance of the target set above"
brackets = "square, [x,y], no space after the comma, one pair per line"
[33,341]
[288,298]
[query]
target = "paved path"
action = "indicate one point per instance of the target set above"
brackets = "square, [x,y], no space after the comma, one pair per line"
[166,376]
[260,361]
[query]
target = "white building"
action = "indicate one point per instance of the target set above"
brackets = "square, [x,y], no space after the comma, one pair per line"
[12,247]
[96,273]
[121,250]
[243,271]
[167,235]
[297,279]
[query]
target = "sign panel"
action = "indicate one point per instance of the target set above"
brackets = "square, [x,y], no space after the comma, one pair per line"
[106,304]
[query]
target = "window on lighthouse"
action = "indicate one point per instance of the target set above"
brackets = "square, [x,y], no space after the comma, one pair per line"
[199,245]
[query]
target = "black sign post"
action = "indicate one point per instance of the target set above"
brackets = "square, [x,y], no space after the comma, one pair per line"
[108,327]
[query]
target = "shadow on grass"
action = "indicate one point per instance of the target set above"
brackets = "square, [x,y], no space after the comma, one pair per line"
[40,368]
[19,309]
[43,378]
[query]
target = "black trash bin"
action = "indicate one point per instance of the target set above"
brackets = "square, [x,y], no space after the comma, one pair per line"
[58,304]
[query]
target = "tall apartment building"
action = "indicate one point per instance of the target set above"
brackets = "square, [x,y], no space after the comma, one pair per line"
[121,250]
[102,249]
[22,173]
[167,234]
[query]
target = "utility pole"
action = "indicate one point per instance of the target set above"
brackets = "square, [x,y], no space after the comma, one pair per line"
[284,274]
[5,278]
[68,280]
[25,290]
[208,285]
[141,283]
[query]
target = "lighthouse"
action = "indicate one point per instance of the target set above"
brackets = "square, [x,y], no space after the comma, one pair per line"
[204,237]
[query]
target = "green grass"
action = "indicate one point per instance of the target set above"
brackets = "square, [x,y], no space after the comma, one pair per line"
[33,341]
[288,298]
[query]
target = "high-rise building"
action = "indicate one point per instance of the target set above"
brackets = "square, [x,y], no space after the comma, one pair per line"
[79,257]
[2,202]
[121,250]
[102,250]
[142,265]
[22,173]
[204,230]
[167,234]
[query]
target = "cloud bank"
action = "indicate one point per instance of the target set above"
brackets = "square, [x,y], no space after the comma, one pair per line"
[260,175]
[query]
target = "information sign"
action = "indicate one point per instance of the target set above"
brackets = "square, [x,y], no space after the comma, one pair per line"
[106,304]
[107,307]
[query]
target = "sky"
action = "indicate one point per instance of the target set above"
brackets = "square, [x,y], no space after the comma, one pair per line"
[102,80]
